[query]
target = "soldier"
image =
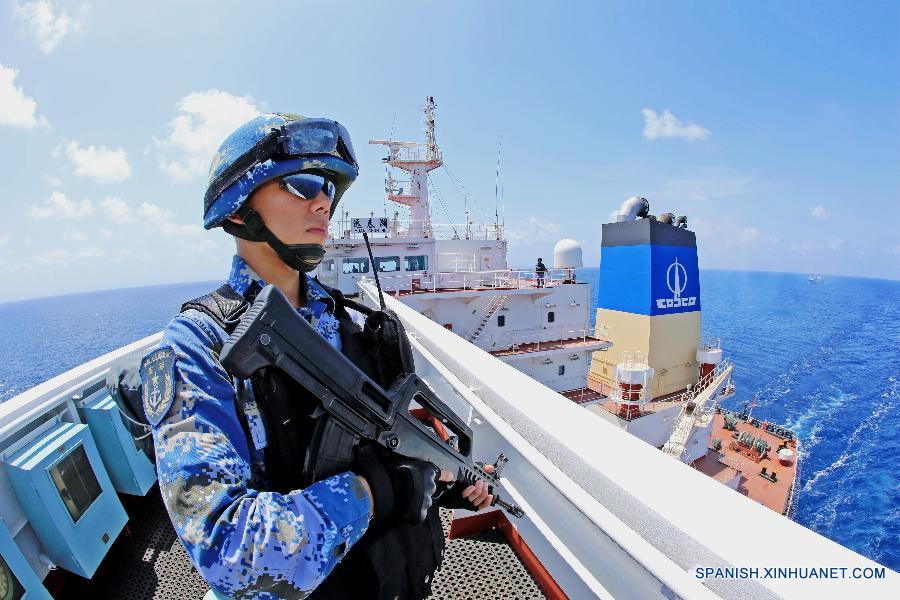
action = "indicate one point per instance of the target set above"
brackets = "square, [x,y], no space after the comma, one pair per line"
[234,496]
[539,270]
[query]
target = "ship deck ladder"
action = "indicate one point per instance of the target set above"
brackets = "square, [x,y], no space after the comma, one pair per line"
[686,419]
[492,307]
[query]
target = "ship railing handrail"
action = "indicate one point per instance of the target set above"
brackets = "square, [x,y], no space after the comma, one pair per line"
[792,498]
[410,152]
[342,229]
[488,279]
[684,422]
[19,411]
[589,480]
[631,359]
[704,382]
[550,337]
[712,343]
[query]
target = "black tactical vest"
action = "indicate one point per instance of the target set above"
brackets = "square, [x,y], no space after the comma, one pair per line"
[395,562]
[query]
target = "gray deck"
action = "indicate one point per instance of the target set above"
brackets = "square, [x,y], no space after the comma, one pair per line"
[147,562]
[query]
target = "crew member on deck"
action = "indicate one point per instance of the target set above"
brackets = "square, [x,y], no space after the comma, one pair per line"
[250,527]
[539,270]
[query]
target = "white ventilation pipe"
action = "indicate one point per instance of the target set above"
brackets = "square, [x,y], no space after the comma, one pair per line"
[633,208]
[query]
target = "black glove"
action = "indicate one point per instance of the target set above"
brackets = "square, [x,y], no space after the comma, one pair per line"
[402,487]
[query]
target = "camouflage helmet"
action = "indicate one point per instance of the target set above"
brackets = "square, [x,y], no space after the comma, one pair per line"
[270,146]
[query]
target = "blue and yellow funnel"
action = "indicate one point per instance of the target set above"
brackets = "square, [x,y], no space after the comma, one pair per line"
[649,301]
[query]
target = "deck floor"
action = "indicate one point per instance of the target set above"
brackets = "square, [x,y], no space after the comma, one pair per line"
[775,495]
[147,562]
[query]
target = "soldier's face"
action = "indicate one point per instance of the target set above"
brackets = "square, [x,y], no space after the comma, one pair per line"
[293,220]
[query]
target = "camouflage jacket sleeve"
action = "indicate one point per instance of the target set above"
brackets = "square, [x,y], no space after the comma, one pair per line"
[246,543]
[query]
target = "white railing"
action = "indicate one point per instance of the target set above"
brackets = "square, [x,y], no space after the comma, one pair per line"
[792,498]
[342,229]
[536,340]
[469,280]
[711,344]
[25,408]
[703,392]
[632,359]
[412,153]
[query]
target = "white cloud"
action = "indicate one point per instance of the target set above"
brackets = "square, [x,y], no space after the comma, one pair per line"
[105,233]
[162,221]
[194,135]
[704,185]
[751,236]
[60,208]
[17,109]
[53,180]
[534,230]
[704,228]
[667,125]
[49,28]
[819,213]
[116,210]
[835,243]
[50,258]
[96,254]
[9,268]
[103,164]
[62,258]
[71,234]
[4,239]
[748,235]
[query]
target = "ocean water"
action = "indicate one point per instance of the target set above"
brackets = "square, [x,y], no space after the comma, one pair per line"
[48,336]
[822,359]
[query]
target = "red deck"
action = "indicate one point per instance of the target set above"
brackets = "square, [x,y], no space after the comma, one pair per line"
[724,464]
[582,395]
[548,345]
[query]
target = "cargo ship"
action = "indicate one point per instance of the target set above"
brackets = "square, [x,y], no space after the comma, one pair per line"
[643,367]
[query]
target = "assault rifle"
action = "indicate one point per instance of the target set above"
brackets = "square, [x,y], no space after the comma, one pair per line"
[352,406]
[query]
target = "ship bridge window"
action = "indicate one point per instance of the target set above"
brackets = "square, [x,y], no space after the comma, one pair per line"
[356,265]
[75,480]
[562,370]
[551,317]
[501,320]
[387,264]
[416,263]
[327,266]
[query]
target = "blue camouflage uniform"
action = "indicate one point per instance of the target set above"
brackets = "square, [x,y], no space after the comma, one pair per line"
[246,543]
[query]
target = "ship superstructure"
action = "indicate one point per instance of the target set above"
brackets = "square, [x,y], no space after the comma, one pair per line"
[643,367]
[457,275]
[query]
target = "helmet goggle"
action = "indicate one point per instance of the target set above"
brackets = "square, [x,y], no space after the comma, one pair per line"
[298,139]
[306,185]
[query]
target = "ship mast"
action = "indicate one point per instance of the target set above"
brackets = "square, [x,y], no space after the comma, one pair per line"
[417,159]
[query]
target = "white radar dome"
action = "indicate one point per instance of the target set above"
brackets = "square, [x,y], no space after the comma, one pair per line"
[567,255]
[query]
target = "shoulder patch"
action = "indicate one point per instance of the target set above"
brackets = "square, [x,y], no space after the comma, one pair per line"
[158,383]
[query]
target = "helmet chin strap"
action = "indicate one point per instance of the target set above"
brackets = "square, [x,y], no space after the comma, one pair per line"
[300,257]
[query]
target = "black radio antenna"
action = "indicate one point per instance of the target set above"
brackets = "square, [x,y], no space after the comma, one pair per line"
[374,270]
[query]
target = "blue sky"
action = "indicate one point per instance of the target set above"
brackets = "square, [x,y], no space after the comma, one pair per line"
[774,126]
